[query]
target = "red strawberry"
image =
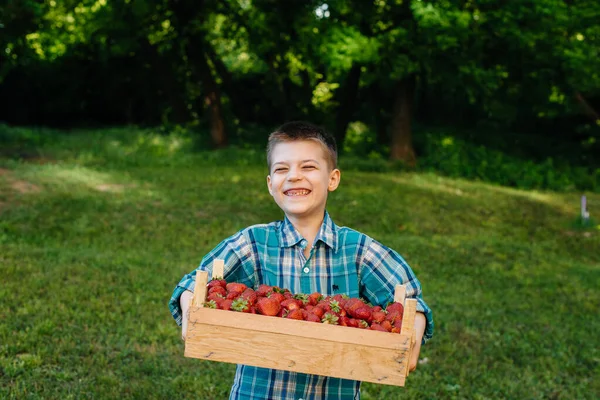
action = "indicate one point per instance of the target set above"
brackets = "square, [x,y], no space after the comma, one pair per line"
[363,313]
[218,289]
[362,324]
[236,287]
[268,306]
[395,330]
[352,322]
[397,323]
[295,314]
[318,311]
[377,327]
[314,298]
[226,304]
[264,290]
[312,317]
[277,297]
[393,307]
[378,316]
[217,282]
[393,316]
[343,321]
[233,295]
[290,304]
[354,304]
[376,308]
[250,296]
[214,296]
[387,325]
[308,307]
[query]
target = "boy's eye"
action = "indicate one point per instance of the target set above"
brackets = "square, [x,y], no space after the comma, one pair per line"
[280,169]
[309,167]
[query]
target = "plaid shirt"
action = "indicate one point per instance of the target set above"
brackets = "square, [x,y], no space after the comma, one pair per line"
[342,261]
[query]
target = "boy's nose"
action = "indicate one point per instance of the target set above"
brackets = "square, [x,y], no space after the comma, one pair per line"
[294,174]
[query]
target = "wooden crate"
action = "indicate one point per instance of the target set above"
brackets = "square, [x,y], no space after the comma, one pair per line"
[299,346]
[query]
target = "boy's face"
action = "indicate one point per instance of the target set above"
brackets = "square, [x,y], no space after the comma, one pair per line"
[301,178]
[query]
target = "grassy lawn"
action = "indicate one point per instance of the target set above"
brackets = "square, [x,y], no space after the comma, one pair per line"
[96,229]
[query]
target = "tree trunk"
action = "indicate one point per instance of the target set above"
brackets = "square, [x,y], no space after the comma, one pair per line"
[401,132]
[348,96]
[212,98]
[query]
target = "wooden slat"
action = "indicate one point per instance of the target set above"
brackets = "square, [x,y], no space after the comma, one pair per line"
[298,329]
[217,269]
[290,353]
[408,321]
[200,289]
[400,294]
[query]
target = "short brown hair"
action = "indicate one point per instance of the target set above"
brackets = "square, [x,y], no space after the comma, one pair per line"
[301,130]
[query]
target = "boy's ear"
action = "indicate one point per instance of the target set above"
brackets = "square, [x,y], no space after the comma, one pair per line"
[334,179]
[269,185]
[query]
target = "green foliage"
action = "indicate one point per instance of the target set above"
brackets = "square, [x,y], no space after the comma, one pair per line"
[92,244]
[458,158]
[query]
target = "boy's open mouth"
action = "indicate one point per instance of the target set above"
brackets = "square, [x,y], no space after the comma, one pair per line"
[296,192]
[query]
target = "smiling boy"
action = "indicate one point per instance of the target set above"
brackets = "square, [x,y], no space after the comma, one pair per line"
[306,252]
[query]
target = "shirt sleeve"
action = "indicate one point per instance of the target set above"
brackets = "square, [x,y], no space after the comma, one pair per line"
[380,270]
[240,266]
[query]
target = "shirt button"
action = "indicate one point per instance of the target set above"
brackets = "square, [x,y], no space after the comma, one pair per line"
[306,270]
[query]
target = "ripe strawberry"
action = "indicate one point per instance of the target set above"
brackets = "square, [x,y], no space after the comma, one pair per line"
[277,297]
[378,316]
[308,307]
[318,311]
[352,305]
[376,308]
[362,324]
[395,330]
[353,322]
[377,327]
[236,287]
[218,289]
[343,321]
[314,298]
[214,296]
[264,290]
[240,305]
[397,323]
[295,314]
[233,295]
[392,307]
[393,316]
[268,306]
[363,313]
[217,282]
[387,325]
[250,296]
[290,304]
[226,304]
[312,317]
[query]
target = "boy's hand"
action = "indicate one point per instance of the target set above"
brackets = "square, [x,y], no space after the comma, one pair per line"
[420,323]
[184,303]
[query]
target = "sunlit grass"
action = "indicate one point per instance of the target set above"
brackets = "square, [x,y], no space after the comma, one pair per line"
[89,258]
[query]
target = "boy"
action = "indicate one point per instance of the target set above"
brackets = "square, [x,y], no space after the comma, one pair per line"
[305,253]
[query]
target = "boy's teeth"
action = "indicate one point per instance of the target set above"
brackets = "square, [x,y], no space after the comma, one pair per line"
[297,192]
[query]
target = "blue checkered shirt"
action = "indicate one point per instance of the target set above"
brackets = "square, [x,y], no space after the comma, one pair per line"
[341,261]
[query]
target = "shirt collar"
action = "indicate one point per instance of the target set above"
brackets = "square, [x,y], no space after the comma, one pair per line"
[289,236]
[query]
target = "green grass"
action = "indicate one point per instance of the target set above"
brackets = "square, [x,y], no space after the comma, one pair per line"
[96,228]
